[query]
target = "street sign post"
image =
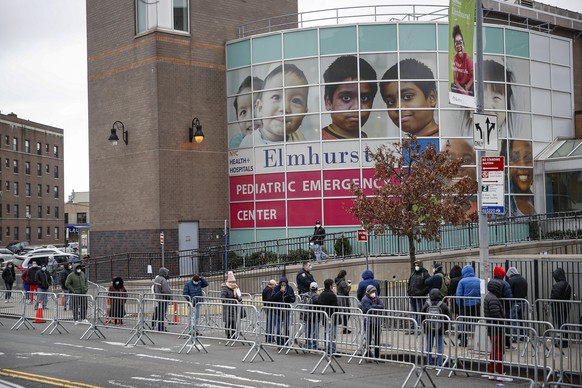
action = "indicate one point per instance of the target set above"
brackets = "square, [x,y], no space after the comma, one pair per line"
[485,132]
[492,185]
[362,235]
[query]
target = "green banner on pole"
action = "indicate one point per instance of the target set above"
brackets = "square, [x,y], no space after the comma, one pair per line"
[461,54]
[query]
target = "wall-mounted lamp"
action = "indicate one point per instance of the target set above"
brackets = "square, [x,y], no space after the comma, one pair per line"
[197,135]
[113,137]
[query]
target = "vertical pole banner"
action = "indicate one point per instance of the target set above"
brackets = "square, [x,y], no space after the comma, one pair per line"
[461,64]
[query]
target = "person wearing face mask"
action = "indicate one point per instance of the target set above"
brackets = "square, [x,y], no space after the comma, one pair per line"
[162,291]
[304,278]
[78,286]
[118,295]
[317,241]
[9,277]
[64,271]
[367,279]
[32,282]
[192,291]
[417,289]
[371,302]
[44,281]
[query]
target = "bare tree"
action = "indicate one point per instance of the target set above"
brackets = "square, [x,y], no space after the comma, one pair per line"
[420,189]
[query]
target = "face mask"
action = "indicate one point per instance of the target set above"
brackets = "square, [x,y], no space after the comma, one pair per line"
[43,268]
[373,295]
[34,265]
[69,267]
[310,267]
[195,282]
[117,284]
[78,271]
[417,268]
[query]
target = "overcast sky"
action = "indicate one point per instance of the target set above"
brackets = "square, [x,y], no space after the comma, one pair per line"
[43,68]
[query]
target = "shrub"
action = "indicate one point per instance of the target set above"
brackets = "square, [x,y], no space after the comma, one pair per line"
[342,247]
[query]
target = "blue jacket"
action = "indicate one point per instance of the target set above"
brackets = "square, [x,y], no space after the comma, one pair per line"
[367,279]
[469,286]
[191,290]
[287,296]
[368,304]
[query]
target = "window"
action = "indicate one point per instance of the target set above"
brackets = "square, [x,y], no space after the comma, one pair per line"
[39,190]
[47,169]
[27,189]
[48,189]
[48,230]
[7,231]
[27,168]
[15,148]
[56,171]
[39,169]
[56,151]
[27,209]
[38,148]
[66,218]
[15,163]
[81,218]
[46,148]
[16,210]
[27,146]
[7,209]
[165,14]
[56,232]
[27,230]
[56,190]
[6,141]
[15,186]
[7,163]
[48,210]
[7,188]
[39,233]
[57,212]
[16,233]
[39,211]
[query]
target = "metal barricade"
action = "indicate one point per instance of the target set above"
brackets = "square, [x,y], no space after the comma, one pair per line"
[559,312]
[11,304]
[75,308]
[120,313]
[564,364]
[42,308]
[348,301]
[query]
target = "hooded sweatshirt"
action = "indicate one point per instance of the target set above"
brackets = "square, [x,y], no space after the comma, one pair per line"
[283,296]
[456,277]
[469,286]
[517,283]
[367,279]
[161,285]
[561,290]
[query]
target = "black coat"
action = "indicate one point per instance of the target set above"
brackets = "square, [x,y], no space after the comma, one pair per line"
[304,279]
[32,272]
[9,275]
[318,235]
[456,276]
[416,286]
[43,279]
[561,290]
[493,308]
[518,286]
[327,298]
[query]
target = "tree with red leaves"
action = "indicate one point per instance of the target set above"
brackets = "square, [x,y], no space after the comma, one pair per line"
[420,189]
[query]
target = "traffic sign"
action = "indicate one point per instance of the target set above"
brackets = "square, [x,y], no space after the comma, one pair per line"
[492,199]
[362,235]
[492,170]
[162,238]
[485,132]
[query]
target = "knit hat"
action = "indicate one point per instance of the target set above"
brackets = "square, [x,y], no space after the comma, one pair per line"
[230,277]
[499,272]
[313,286]
[437,265]
[512,271]
[370,289]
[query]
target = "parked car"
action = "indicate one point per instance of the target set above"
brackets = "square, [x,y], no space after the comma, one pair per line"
[6,254]
[43,258]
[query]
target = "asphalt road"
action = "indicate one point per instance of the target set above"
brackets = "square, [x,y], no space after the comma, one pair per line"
[30,359]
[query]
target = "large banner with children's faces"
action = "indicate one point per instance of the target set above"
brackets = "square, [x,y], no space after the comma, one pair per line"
[300,131]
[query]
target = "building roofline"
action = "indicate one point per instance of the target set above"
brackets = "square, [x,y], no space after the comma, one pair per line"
[13,119]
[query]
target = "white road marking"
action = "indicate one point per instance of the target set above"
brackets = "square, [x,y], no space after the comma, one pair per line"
[222,366]
[265,373]
[224,383]
[78,346]
[50,354]
[158,358]
[117,384]
[235,377]
[312,380]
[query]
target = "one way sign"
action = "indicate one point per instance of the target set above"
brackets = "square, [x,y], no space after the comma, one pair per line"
[485,132]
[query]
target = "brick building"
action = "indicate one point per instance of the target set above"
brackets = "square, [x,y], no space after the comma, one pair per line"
[155,67]
[31,182]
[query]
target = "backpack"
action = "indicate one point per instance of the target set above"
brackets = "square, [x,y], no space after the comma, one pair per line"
[434,311]
[445,285]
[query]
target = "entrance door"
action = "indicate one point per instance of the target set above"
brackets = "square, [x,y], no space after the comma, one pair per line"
[188,245]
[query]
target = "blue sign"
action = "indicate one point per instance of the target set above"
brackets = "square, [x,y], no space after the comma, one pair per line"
[493,210]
